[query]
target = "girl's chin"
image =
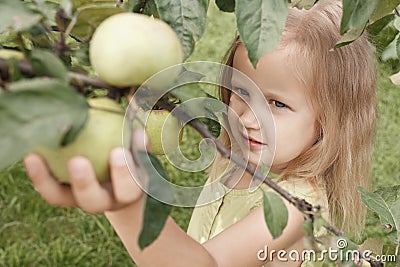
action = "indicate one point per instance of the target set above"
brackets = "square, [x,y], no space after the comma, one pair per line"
[256,159]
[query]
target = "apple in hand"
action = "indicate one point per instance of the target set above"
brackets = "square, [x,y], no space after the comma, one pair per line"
[101,133]
[127,48]
[164,131]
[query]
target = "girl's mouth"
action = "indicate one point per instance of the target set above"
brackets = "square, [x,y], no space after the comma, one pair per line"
[253,143]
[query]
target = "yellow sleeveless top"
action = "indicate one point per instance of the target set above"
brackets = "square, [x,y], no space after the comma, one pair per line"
[234,204]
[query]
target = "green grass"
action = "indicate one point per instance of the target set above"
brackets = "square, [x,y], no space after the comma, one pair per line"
[386,171]
[33,233]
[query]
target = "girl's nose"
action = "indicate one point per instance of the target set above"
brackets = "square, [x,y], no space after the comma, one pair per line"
[249,119]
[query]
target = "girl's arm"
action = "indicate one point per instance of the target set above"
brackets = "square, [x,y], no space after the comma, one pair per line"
[239,245]
[236,246]
[173,247]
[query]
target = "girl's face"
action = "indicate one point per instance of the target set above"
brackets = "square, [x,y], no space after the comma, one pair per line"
[290,113]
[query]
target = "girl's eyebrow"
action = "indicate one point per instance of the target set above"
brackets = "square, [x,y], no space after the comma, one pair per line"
[276,94]
[244,83]
[237,82]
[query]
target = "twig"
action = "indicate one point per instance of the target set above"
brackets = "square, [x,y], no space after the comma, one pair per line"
[79,40]
[77,79]
[334,230]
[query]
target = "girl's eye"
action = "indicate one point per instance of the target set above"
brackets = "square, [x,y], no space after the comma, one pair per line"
[278,104]
[242,91]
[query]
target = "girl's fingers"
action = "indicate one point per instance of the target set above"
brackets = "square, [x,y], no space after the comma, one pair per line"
[48,187]
[89,194]
[85,191]
[125,187]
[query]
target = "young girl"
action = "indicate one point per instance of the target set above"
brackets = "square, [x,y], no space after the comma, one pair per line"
[323,106]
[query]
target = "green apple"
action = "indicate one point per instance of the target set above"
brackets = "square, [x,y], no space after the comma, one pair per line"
[164,131]
[101,133]
[127,48]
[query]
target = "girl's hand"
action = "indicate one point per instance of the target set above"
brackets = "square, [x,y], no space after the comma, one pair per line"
[85,191]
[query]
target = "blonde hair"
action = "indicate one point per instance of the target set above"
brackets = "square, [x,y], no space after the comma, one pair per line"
[341,85]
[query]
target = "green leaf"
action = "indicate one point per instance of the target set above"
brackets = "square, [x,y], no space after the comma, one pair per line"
[226,5]
[396,23]
[390,51]
[82,55]
[37,34]
[205,105]
[186,86]
[47,9]
[349,37]
[135,5]
[274,175]
[384,8]
[45,63]
[16,15]
[189,91]
[389,194]
[155,213]
[80,3]
[307,4]
[9,39]
[213,125]
[260,24]
[275,213]
[151,9]
[385,205]
[356,14]
[319,221]
[90,16]
[188,19]
[376,27]
[308,227]
[37,112]
[398,47]
[214,104]
[13,70]
[147,7]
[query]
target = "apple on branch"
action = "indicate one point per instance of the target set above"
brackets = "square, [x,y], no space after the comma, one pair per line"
[164,131]
[128,48]
[162,128]
[101,133]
